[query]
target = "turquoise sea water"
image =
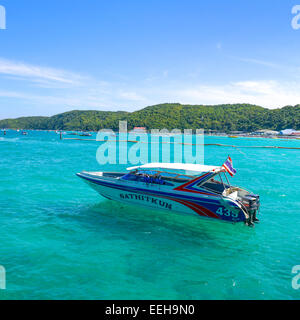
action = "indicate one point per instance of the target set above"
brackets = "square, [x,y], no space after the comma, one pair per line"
[61,240]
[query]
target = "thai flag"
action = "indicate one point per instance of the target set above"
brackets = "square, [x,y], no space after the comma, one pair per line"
[228,166]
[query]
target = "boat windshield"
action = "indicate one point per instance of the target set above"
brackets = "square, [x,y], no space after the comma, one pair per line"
[218,183]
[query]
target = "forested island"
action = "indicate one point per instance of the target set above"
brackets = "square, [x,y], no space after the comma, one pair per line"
[225,118]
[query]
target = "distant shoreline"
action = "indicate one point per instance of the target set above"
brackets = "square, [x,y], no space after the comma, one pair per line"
[221,135]
[228,119]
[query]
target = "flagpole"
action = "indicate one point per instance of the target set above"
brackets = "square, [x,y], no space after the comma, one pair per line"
[227,180]
[226,175]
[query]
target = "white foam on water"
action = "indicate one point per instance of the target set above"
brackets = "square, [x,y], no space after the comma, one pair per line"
[9,139]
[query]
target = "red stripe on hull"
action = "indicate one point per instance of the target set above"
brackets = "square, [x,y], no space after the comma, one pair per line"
[185,189]
[202,211]
[192,207]
[205,210]
[180,188]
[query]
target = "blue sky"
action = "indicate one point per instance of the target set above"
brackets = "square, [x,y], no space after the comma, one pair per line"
[62,55]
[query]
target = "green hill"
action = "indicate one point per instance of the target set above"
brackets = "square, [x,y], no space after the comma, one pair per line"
[237,117]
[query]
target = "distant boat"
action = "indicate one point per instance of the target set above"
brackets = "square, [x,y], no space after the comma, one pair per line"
[85,134]
[24,133]
[139,130]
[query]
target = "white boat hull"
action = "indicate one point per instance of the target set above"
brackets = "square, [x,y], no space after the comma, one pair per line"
[134,198]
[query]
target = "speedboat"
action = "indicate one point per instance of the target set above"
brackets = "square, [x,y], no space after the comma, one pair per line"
[195,189]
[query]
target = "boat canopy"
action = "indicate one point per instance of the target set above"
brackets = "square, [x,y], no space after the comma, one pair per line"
[188,167]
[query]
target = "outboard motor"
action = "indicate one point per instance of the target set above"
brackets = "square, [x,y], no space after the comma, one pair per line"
[252,203]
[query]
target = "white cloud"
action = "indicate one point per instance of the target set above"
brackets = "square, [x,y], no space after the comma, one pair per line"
[256,87]
[76,93]
[10,94]
[43,75]
[270,94]
[261,62]
[130,95]
[88,98]
[70,100]
[100,94]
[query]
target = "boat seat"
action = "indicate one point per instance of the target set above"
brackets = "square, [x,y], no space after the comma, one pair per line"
[233,195]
